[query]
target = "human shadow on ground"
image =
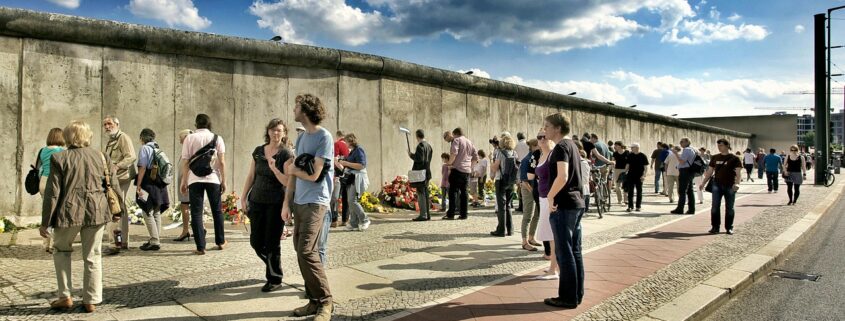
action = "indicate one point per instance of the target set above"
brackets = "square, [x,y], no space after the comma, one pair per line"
[665,235]
[143,294]
[435,283]
[432,237]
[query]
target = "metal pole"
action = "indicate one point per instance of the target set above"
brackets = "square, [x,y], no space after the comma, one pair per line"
[821,94]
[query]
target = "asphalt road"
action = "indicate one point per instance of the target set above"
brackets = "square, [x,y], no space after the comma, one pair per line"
[775,298]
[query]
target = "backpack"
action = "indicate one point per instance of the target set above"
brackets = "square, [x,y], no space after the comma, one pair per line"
[33,178]
[200,163]
[698,166]
[162,168]
[509,170]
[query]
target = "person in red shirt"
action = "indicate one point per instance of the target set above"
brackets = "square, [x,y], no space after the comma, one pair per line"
[341,151]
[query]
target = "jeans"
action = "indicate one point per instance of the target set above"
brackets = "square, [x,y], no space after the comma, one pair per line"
[335,196]
[760,170]
[566,226]
[657,175]
[424,200]
[309,222]
[92,275]
[458,193]
[504,192]
[324,239]
[729,194]
[685,190]
[748,169]
[196,191]
[772,180]
[637,185]
[444,200]
[265,233]
[357,215]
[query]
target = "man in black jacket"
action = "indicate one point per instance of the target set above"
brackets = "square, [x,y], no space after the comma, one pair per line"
[422,161]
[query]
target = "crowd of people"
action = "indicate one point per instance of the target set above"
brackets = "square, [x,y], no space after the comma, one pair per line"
[315,182]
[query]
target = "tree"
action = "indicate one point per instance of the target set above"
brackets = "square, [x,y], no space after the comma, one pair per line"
[810,139]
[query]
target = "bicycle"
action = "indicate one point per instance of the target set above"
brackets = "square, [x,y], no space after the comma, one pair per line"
[602,192]
[828,176]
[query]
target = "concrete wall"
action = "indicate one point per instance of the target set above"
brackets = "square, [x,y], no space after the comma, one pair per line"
[161,79]
[770,131]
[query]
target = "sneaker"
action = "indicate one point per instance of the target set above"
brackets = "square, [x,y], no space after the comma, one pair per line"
[150,247]
[730,231]
[365,226]
[629,210]
[638,209]
[713,231]
[270,287]
[557,302]
[324,312]
[308,309]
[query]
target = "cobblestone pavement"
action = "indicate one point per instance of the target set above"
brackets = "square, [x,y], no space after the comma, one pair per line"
[137,279]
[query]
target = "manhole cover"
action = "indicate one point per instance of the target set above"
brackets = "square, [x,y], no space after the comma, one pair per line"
[795,275]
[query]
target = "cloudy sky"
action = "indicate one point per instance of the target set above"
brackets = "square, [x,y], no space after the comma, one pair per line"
[692,58]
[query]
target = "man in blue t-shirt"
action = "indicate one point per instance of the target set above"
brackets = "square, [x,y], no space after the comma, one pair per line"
[308,201]
[773,167]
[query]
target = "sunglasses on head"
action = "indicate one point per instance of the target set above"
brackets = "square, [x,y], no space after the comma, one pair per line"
[541,137]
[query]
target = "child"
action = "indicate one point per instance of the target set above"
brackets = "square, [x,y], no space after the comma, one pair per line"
[444,182]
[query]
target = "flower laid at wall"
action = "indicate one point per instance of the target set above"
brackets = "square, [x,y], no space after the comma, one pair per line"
[230,209]
[399,193]
[371,203]
[434,194]
[2,224]
[136,215]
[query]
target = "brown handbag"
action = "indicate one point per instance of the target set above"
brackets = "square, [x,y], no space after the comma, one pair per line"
[111,196]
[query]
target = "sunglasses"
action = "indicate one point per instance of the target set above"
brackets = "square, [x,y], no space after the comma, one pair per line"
[541,137]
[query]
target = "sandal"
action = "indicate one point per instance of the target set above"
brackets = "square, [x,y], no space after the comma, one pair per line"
[529,248]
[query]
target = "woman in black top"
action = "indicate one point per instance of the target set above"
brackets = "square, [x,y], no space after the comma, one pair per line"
[620,156]
[635,171]
[263,199]
[795,170]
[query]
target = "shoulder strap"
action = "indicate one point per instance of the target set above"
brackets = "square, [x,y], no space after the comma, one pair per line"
[106,170]
[38,157]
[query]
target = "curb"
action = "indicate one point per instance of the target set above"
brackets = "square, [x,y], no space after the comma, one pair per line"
[710,295]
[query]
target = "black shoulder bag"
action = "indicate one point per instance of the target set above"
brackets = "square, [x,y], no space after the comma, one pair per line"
[33,178]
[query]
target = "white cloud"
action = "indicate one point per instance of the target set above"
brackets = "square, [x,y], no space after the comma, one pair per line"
[476,72]
[688,97]
[584,89]
[734,17]
[70,4]
[694,32]
[714,14]
[545,26]
[799,29]
[173,12]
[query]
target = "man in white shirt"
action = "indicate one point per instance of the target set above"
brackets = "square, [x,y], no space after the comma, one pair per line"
[213,184]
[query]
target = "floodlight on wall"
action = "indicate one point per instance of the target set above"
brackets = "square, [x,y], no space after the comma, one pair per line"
[572,93]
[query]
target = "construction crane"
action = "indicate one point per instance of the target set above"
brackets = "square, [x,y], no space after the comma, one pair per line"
[805,109]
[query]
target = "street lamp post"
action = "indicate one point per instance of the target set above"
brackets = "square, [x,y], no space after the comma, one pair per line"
[823,80]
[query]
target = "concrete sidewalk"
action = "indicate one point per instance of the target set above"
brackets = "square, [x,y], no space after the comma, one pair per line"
[398,267]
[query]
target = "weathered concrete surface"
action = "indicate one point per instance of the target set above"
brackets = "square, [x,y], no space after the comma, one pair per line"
[261,93]
[10,165]
[61,82]
[158,78]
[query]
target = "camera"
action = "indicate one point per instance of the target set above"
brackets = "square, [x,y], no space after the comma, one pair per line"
[494,141]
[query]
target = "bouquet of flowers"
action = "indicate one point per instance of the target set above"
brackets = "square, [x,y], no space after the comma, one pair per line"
[230,209]
[3,224]
[371,203]
[399,193]
[434,194]
[136,215]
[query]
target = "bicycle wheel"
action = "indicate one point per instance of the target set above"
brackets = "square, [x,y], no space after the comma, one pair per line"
[598,199]
[830,179]
[607,201]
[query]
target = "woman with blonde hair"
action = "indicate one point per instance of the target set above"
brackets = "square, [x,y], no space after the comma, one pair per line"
[505,177]
[75,202]
[184,199]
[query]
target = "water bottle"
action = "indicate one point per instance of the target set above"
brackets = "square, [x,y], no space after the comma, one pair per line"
[118,238]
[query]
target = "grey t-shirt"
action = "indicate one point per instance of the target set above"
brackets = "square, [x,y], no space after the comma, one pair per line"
[321,145]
